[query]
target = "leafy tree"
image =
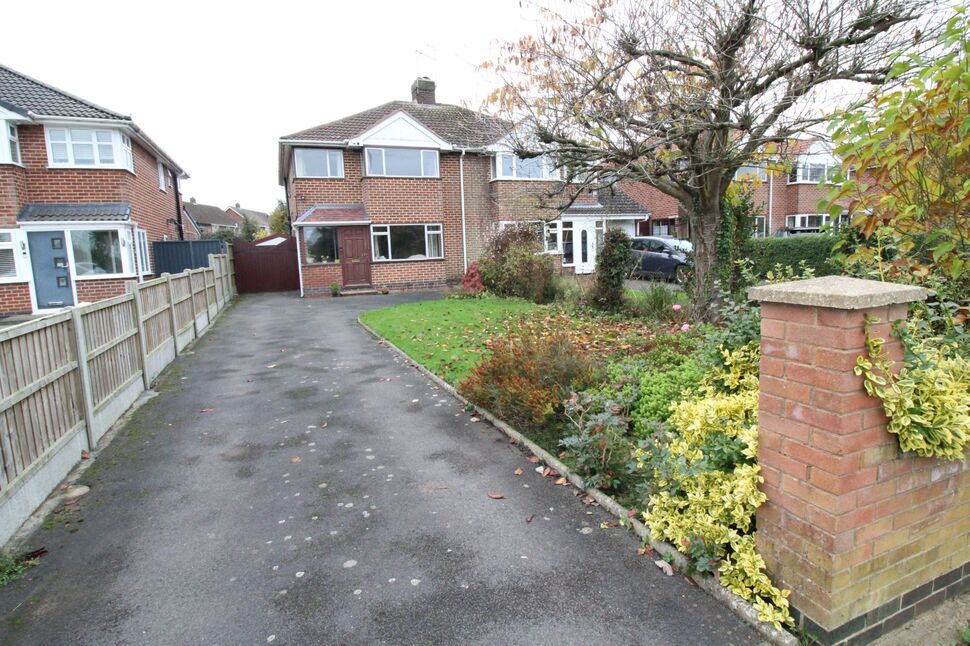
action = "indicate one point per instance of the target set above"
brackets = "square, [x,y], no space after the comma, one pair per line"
[279,219]
[227,235]
[912,203]
[249,231]
[680,93]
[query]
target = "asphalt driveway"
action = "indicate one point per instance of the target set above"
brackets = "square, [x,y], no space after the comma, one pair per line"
[295,482]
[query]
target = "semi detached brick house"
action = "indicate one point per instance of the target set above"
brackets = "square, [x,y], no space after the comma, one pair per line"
[405,194]
[83,193]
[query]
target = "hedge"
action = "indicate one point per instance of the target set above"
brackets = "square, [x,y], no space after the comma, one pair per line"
[814,248]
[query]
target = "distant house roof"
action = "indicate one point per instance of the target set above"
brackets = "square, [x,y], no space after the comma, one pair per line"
[76,212]
[258,218]
[660,205]
[208,215]
[461,127]
[333,213]
[609,201]
[38,101]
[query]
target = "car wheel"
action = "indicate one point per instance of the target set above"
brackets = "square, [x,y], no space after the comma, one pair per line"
[681,274]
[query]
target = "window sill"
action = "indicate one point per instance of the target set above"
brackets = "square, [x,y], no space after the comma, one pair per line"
[16,280]
[401,177]
[69,167]
[318,177]
[12,163]
[526,179]
[336,263]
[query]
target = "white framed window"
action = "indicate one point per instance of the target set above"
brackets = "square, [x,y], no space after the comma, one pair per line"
[806,222]
[407,242]
[13,141]
[97,252]
[551,232]
[509,166]
[401,162]
[321,245]
[88,148]
[12,256]
[759,227]
[661,228]
[567,243]
[319,162]
[144,261]
[749,173]
[813,172]
[161,176]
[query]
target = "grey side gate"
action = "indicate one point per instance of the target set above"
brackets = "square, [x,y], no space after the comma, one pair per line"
[175,256]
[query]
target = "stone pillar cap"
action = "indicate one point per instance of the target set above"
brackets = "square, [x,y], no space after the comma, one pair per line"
[837,292]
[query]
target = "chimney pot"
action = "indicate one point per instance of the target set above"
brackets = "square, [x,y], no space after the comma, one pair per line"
[237,205]
[422,90]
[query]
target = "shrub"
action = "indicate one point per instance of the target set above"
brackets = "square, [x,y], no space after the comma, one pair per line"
[612,267]
[471,282]
[600,447]
[659,390]
[513,265]
[525,381]
[655,303]
[814,249]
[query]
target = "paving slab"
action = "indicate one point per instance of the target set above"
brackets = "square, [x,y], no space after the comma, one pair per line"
[296,482]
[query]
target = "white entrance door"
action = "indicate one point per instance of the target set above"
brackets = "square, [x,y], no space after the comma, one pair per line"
[584,245]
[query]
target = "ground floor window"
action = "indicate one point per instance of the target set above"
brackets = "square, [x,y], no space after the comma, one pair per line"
[808,223]
[407,241]
[551,232]
[8,254]
[662,228]
[760,226]
[567,242]
[144,263]
[96,252]
[321,245]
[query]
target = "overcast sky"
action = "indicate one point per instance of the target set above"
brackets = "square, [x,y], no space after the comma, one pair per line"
[216,85]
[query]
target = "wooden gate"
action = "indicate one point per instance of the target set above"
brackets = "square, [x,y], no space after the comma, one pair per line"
[266,265]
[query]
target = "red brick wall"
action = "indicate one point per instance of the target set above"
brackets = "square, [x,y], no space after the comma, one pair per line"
[15,298]
[90,291]
[13,190]
[851,524]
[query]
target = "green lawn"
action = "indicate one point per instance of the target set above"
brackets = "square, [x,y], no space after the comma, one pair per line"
[445,336]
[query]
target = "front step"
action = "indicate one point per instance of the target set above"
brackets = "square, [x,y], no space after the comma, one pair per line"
[360,291]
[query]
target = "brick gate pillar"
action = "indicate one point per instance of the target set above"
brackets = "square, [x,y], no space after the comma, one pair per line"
[864,536]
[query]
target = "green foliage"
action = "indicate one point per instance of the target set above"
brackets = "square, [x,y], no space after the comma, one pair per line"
[600,448]
[738,211]
[513,265]
[915,146]
[334,289]
[249,231]
[814,249]
[928,400]
[279,219]
[660,389]
[226,235]
[612,267]
[13,566]
[657,302]
[526,379]
[965,635]
[705,489]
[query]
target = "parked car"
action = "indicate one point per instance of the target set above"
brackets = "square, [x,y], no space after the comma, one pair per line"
[664,258]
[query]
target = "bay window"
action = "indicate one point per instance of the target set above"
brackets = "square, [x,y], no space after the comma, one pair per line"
[407,241]
[750,173]
[88,148]
[321,245]
[814,172]
[807,223]
[96,252]
[319,162]
[509,166]
[13,141]
[401,162]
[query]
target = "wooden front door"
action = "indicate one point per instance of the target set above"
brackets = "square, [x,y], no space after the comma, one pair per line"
[355,255]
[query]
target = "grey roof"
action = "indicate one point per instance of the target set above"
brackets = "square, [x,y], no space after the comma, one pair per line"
[458,126]
[610,201]
[24,94]
[76,212]
[258,218]
[206,214]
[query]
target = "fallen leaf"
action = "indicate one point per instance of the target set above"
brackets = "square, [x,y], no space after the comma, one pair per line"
[72,501]
[612,524]
[529,519]
[691,581]
[85,455]
[631,513]
[665,566]
[518,471]
[534,459]
[29,556]
[496,496]
[562,482]
[205,410]
[295,459]
[646,550]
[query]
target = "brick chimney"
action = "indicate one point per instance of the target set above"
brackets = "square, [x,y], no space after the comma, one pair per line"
[422,90]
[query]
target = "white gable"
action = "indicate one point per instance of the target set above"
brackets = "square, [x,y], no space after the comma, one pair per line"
[400,130]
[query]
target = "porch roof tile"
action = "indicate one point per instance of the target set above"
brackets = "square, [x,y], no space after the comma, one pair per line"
[76,212]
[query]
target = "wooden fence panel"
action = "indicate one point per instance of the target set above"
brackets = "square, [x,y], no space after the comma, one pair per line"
[113,353]
[155,313]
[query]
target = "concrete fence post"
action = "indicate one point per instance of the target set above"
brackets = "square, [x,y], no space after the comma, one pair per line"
[84,375]
[865,537]
[136,312]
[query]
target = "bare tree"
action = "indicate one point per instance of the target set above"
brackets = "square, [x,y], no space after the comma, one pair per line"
[680,93]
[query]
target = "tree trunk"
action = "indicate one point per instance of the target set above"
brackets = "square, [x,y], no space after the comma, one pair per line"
[704,218]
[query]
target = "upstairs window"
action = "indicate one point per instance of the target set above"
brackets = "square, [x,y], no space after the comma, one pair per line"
[161,176]
[14,142]
[509,166]
[319,162]
[401,162]
[88,148]
[750,173]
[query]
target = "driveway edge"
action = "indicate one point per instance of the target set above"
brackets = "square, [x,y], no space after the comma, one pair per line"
[737,605]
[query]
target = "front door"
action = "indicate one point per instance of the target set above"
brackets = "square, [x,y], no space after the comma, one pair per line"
[52,276]
[354,247]
[584,246]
